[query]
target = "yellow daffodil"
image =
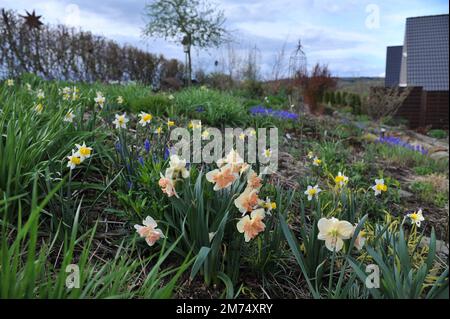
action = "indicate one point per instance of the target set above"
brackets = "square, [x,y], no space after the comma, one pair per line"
[252,225]
[379,187]
[159,130]
[170,123]
[121,121]
[149,231]
[222,177]
[312,191]
[310,155]
[74,160]
[341,180]
[242,136]
[83,151]
[333,232]
[69,116]
[195,124]
[251,132]
[39,108]
[416,217]
[145,118]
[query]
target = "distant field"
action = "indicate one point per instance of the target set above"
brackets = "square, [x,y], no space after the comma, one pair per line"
[360,85]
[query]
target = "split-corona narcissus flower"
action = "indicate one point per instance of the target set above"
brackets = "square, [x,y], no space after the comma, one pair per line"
[379,187]
[254,180]
[145,118]
[341,180]
[416,217]
[251,225]
[84,151]
[312,192]
[247,201]
[167,185]
[222,177]
[333,231]
[149,231]
[121,121]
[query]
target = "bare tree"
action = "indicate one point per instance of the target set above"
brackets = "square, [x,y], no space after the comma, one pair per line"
[384,102]
[189,22]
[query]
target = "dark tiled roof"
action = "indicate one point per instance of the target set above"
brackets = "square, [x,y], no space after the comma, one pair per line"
[426,40]
[393,64]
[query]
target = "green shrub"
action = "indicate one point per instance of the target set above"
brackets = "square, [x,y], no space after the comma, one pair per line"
[436,133]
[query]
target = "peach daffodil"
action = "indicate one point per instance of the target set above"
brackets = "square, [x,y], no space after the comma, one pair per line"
[252,225]
[149,231]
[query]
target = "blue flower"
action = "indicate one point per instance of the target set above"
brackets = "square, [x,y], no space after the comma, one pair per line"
[280,114]
[147,145]
[141,160]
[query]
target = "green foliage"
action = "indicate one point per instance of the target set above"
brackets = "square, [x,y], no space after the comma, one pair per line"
[157,105]
[436,133]
[394,253]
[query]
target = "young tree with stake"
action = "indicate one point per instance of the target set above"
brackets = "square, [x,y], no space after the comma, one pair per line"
[189,22]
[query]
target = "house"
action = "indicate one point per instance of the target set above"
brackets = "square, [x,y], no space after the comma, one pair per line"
[421,63]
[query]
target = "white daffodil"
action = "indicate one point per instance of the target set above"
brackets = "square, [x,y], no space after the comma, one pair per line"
[74,160]
[39,108]
[10,82]
[100,99]
[267,153]
[119,100]
[145,118]
[205,135]
[360,239]
[83,151]
[333,232]
[341,180]
[121,121]
[69,116]
[312,191]
[416,217]
[40,94]
[317,161]
[149,231]
[379,187]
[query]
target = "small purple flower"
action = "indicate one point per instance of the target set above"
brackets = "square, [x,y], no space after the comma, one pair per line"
[200,109]
[118,146]
[141,160]
[280,114]
[147,145]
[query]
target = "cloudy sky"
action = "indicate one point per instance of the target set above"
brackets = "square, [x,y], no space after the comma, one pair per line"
[349,35]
